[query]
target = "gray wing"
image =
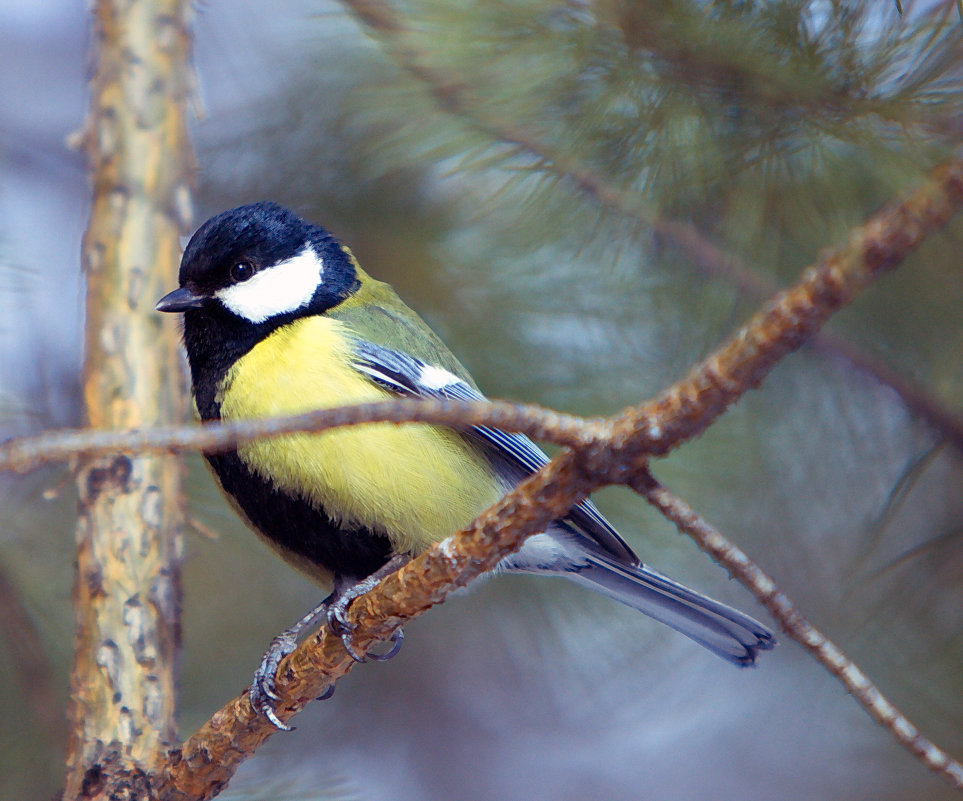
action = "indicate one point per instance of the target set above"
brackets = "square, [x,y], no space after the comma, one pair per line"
[407,376]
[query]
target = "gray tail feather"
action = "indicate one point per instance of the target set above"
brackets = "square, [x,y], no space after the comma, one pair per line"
[725,631]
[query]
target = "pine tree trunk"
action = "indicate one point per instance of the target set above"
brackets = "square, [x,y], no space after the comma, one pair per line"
[127,591]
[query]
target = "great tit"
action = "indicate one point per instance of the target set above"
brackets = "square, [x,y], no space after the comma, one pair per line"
[279,319]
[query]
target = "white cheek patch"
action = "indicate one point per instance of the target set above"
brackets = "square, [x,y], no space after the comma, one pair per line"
[435,378]
[281,289]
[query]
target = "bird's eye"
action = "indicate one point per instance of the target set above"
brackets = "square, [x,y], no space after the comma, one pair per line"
[241,271]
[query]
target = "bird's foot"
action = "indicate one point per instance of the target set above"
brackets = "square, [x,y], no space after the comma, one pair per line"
[338,609]
[345,630]
[263,693]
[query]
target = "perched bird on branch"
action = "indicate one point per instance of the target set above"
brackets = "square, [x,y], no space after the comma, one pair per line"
[279,319]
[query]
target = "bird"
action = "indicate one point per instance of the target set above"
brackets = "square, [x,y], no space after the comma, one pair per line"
[279,318]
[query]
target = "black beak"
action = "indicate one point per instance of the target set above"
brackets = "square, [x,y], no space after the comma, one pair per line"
[180,300]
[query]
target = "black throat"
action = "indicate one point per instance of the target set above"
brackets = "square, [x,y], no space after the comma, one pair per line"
[214,340]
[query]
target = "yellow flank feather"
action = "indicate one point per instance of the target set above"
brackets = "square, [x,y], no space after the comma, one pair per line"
[416,483]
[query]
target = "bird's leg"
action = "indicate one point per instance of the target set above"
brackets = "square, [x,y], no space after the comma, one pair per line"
[263,693]
[342,598]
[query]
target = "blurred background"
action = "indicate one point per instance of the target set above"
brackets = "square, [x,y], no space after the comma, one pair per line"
[764,132]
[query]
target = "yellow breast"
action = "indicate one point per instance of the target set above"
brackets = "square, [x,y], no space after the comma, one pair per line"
[418,484]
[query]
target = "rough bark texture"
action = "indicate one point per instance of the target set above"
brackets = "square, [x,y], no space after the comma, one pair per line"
[127,592]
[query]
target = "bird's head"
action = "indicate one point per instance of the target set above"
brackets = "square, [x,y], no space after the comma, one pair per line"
[261,263]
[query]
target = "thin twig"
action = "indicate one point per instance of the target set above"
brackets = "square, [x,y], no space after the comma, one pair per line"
[27,453]
[711,541]
[682,412]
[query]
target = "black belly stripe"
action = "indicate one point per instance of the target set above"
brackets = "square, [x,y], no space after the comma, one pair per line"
[297,526]
[215,340]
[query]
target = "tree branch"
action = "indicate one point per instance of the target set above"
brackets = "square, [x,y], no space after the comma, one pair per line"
[208,759]
[682,412]
[27,453]
[456,97]
[687,408]
[122,708]
[713,542]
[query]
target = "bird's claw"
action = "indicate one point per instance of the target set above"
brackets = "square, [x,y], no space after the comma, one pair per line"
[341,599]
[326,694]
[263,693]
[339,625]
[397,639]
